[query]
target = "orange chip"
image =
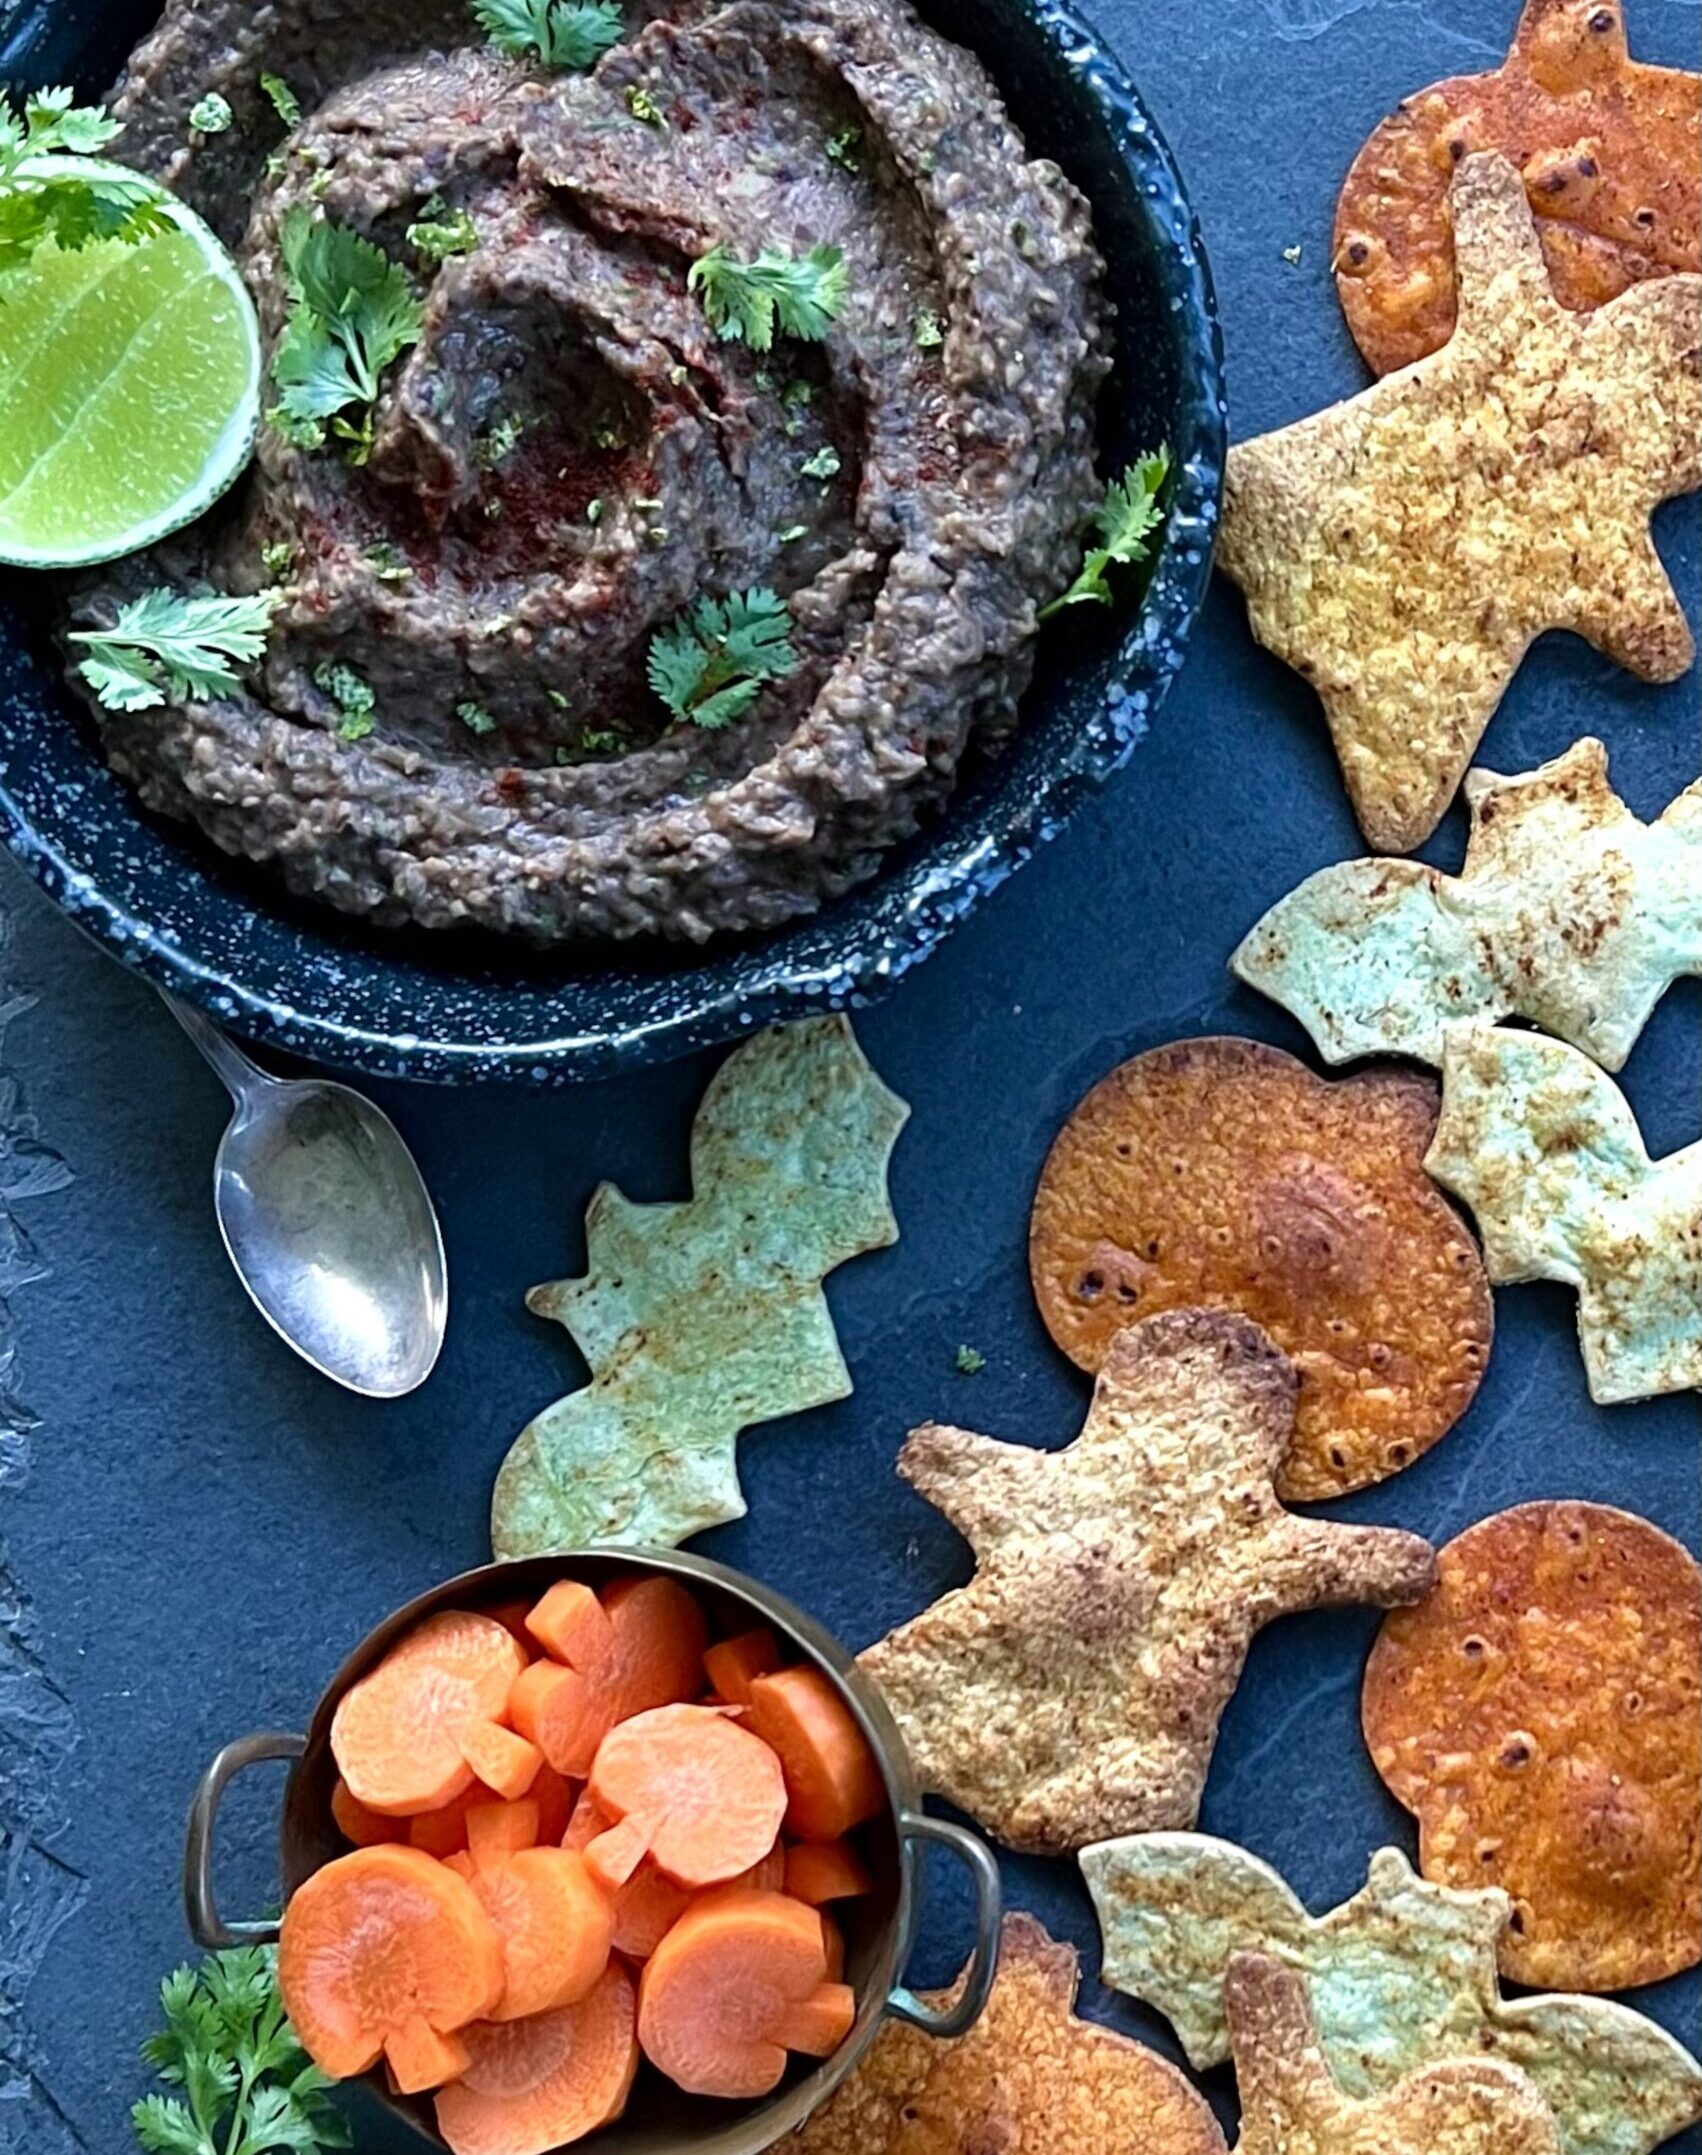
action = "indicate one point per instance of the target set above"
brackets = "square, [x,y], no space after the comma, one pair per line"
[1224,1174]
[1611,155]
[1539,1712]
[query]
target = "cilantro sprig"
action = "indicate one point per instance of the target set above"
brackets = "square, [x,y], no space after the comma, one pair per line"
[352,313]
[1131,512]
[800,296]
[71,211]
[560,34]
[247,2086]
[164,647]
[709,666]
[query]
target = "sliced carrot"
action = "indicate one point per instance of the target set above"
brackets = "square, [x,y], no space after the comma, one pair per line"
[379,1941]
[709,1795]
[501,1759]
[418,2058]
[821,2023]
[833,1781]
[400,1735]
[461,1863]
[554,1797]
[719,1996]
[571,1624]
[440,1833]
[559,1710]
[821,1871]
[833,1945]
[735,1664]
[512,1617]
[557,1928]
[587,1822]
[496,1830]
[360,1827]
[768,1876]
[533,2085]
[646,1908]
[616,1853]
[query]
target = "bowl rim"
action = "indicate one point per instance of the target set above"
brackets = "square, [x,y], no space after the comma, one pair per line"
[746,987]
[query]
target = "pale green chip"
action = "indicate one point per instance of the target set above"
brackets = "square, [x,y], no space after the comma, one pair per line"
[700,1318]
[1402,1975]
[1570,911]
[129,388]
[1543,1146]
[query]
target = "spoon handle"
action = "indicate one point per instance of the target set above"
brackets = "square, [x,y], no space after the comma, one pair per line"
[242,1078]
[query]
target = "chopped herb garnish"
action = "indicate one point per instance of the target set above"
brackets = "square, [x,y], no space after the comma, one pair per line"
[1130,514]
[284,101]
[825,464]
[243,2082]
[352,312]
[501,438]
[970,1361]
[557,698]
[751,300]
[602,742]
[73,213]
[845,148]
[438,234]
[594,511]
[388,563]
[710,665]
[212,116]
[643,106]
[610,435]
[164,646]
[927,331]
[793,533]
[559,33]
[356,705]
[475,718]
[798,394]
[277,557]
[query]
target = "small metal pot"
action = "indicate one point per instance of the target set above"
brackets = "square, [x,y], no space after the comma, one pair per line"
[880,1929]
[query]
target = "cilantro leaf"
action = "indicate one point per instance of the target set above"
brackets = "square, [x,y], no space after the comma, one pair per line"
[70,211]
[352,313]
[1131,512]
[475,718]
[248,2087]
[212,116]
[357,706]
[283,100]
[164,648]
[710,664]
[751,300]
[558,33]
[438,234]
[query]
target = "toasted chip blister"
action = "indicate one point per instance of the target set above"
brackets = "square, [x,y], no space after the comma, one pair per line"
[700,1318]
[1399,1977]
[1611,158]
[1403,550]
[1073,1690]
[1540,1714]
[1570,911]
[1543,1146]
[1292,2105]
[1029,2078]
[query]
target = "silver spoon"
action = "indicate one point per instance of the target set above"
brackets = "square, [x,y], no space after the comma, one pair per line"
[328,1223]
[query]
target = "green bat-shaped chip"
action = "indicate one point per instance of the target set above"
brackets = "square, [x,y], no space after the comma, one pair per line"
[702,1317]
[1402,1975]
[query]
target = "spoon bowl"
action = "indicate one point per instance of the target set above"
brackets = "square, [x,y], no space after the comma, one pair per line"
[329,1224]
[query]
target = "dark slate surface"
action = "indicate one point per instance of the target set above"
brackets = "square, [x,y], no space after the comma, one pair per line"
[206,1528]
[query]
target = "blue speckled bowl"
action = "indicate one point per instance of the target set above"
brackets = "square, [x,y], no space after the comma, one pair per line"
[414,1005]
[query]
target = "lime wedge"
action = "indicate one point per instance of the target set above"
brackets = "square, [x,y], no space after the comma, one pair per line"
[129,388]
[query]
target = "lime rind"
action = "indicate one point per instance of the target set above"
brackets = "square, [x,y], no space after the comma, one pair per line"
[114,358]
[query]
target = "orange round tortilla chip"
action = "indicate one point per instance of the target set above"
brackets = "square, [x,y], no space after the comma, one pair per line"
[1541,1714]
[1226,1175]
[1611,154]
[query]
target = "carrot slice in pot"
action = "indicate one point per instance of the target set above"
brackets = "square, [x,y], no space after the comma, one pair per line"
[572,1626]
[419,2058]
[821,1871]
[709,1795]
[400,1735]
[733,1982]
[833,1779]
[496,1830]
[378,1941]
[501,1759]
[735,1664]
[557,1928]
[533,2085]
[360,1827]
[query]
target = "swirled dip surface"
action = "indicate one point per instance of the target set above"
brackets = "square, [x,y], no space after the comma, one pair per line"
[570,457]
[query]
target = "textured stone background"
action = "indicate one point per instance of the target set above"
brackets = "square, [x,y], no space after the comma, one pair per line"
[203,1528]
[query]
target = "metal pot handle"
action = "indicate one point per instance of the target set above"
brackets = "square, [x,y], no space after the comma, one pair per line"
[983,1870]
[206,1926]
